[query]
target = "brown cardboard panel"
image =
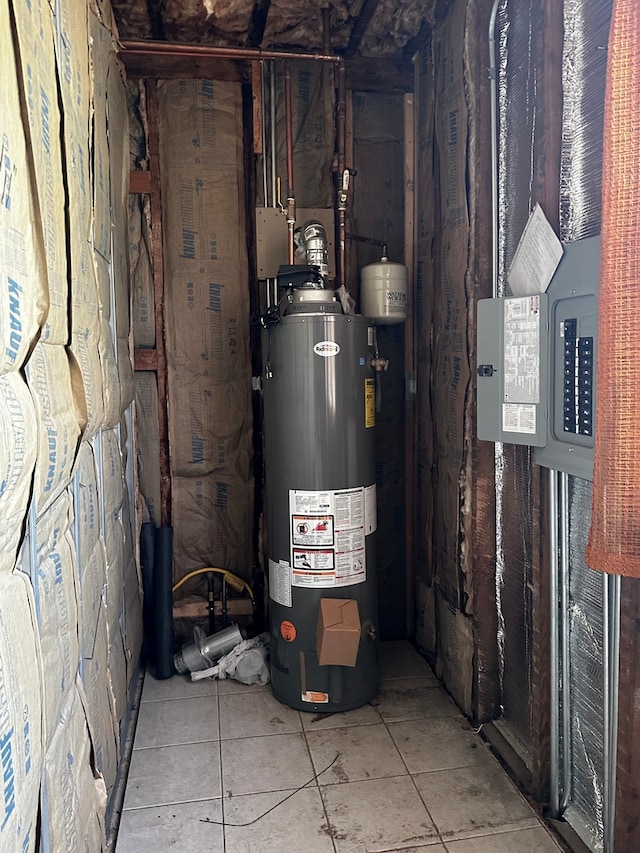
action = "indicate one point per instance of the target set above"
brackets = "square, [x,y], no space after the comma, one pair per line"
[19,430]
[338,632]
[426,626]
[99,704]
[455,654]
[207,329]
[208,425]
[92,571]
[24,298]
[114,592]
[272,237]
[58,608]
[112,473]
[117,668]
[133,626]
[85,334]
[49,380]
[211,520]
[72,50]
[101,49]
[148,442]
[43,126]
[446,536]
[76,796]
[451,370]
[21,727]
[143,300]
[451,115]
[119,181]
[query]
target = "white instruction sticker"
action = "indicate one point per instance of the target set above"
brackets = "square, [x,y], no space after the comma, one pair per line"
[280,582]
[328,531]
[519,418]
[522,350]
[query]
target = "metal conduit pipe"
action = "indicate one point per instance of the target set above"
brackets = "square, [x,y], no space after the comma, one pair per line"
[343,178]
[291,198]
[158,48]
[563,508]
[606,711]
[554,688]
[493,77]
[614,653]
[263,88]
[273,300]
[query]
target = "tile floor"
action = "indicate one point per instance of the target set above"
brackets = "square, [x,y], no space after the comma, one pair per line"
[218,766]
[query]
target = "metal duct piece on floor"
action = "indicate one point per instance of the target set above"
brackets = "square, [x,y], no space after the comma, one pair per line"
[204,651]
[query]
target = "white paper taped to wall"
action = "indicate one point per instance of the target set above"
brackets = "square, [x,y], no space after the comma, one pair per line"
[537,256]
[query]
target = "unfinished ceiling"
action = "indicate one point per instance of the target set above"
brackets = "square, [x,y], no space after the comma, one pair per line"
[364,28]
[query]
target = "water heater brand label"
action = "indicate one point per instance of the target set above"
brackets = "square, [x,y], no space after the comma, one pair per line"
[326,349]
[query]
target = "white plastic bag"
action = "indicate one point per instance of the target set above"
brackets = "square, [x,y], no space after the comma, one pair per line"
[247,663]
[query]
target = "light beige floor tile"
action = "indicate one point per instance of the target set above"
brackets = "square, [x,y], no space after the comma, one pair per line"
[363,752]
[412,698]
[377,815]
[184,828]
[177,721]
[255,713]
[173,774]
[437,743]
[474,800]
[401,660]
[294,825]
[229,685]
[534,840]
[269,763]
[363,716]
[177,687]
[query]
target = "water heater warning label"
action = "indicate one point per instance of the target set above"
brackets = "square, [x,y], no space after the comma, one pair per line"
[328,537]
[369,403]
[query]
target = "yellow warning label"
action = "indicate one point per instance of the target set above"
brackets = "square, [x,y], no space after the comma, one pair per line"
[369,403]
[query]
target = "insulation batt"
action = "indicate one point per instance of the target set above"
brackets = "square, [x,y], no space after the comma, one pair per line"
[299,25]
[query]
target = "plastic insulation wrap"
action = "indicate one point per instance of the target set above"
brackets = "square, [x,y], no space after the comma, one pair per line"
[516,79]
[614,538]
[516,106]
[586,689]
[584,65]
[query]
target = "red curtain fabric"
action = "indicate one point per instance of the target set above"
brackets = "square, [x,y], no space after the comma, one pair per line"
[614,538]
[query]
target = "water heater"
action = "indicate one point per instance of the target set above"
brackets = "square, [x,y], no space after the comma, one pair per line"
[319,415]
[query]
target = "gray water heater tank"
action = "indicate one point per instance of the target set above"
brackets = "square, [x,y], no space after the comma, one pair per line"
[319,414]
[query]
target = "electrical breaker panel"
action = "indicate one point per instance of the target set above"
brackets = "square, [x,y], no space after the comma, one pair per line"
[512,369]
[573,341]
[536,365]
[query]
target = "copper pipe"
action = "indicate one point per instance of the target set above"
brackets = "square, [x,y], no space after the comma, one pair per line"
[342,190]
[159,48]
[291,198]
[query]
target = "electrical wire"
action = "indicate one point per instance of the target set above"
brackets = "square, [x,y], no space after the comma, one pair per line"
[277,805]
